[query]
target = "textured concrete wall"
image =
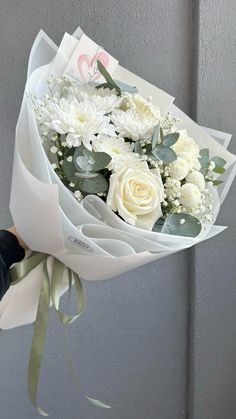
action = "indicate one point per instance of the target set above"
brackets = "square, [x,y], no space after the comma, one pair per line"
[158,342]
[214,287]
[131,343]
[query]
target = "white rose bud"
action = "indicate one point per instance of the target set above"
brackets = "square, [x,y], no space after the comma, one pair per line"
[136,192]
[197,178]
[190,196]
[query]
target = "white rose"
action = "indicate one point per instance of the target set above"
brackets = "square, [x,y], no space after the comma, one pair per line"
[136,193]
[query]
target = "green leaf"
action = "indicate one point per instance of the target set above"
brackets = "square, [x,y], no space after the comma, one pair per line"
[170,139]
[214,182]
[218,161]
[102,70]
[94,184]
[219,169]
[204,158]
[191,226]
[106,86]
[161,135]
[98,403]
[166,154]
[155,136]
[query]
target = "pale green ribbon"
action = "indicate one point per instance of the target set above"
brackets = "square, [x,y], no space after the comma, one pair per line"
[48,291]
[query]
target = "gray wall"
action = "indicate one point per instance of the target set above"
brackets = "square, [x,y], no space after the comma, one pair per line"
[158,342]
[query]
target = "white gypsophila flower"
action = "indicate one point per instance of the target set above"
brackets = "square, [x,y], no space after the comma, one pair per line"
[197,179]
[104,99]
[136,192]
[131,125]
[186,148]
[190,196]
[78,195]
[79,120]
[168,123]
[53,149]
[119,150]
[172,188]
[139,104]
[178,169]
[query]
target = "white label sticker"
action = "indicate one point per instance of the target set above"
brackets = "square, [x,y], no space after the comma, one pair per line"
[80,243]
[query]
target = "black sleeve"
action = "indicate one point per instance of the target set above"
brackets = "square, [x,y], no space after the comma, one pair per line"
[10,252]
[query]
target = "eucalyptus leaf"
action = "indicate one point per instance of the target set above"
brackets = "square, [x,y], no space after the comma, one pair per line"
[204,158]
[170,139]
[164,153]
[96,161]
[182,225]
[218,161]
[92,185]
[89,155]
[86,175]
[83,164]
[102,70]
[158,225]
[138,148]
[101,160]
[69,170]
[155,136]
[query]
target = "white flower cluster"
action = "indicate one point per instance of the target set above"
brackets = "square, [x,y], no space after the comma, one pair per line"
[141,186]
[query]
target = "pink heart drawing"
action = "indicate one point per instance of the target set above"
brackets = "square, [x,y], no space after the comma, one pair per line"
[86,65]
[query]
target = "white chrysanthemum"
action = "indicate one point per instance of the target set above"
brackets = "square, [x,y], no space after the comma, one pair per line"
[119,150]
[190,196]
[104,99]
[197,178]
[131,125]
[80,120]
[178,169]
[138,103]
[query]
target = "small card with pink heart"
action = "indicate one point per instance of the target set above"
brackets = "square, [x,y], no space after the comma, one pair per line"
[82,65]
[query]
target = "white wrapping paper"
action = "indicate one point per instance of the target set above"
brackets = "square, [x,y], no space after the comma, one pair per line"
[88,237]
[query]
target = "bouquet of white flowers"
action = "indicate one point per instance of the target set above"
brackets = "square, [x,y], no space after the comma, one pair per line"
[108,175]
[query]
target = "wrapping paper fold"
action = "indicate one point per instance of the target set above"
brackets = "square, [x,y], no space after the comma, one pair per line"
[87,237]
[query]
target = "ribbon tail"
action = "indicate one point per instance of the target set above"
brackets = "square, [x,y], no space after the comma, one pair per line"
[38,340]
[57,276]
